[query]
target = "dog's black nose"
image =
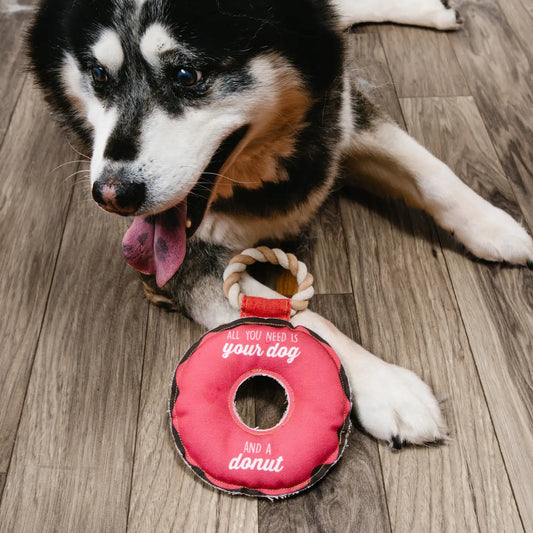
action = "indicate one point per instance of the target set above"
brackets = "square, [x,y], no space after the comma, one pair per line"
[123,198]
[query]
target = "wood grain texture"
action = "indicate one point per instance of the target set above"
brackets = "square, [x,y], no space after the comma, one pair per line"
[368,65]
[326,255]
[422,62]
[517,20]
[166,495]
[437,488]
[2,483]
[13,64]
[93,448]
[351,497]
[72,463]
[31,234]
[498,73]
[496,303]
[451,477]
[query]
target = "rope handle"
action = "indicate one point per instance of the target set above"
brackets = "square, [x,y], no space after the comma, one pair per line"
[238,264]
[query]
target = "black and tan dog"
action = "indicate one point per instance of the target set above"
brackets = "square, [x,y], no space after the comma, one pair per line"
[220,124]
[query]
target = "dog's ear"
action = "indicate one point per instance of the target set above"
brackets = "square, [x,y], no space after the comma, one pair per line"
[306,32]
[46,53]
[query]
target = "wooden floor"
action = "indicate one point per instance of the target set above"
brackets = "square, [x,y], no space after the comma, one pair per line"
[85,362]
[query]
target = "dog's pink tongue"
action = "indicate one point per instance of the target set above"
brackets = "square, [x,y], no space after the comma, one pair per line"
[156,244]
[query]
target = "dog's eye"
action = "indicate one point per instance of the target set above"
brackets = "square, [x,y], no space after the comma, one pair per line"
[187,77]
[99,75]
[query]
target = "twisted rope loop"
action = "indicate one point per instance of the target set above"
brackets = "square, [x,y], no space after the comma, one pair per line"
[238,264]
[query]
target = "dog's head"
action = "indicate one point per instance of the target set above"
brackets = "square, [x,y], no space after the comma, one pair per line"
[166,93]
[160,88]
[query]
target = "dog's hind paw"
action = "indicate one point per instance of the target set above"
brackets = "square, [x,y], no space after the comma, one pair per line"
[448,19]
[393,404]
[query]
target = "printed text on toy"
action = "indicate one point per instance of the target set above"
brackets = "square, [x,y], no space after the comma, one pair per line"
[245,462]
[255,349]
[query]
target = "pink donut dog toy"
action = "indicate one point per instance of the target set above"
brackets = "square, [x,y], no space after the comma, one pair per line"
[311,435]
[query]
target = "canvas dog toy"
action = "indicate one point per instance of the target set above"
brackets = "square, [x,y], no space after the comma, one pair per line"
[311,435]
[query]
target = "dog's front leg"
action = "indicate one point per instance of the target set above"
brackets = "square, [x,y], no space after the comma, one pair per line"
[391,402]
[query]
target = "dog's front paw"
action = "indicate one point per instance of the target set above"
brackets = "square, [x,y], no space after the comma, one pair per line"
[493,235]
[393,404]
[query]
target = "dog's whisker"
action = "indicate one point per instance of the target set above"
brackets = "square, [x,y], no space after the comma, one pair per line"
[76,161]
[225,177]
[74,174]
[78,152]
[217,174]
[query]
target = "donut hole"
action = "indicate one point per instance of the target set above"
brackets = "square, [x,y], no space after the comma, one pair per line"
[261,402]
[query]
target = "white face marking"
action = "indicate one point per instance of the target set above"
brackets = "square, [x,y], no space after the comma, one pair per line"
[174,151]
[108,51]
[102,120]
[72,78]
[156,41]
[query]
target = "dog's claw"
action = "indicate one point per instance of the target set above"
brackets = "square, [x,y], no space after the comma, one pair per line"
[529,264]
[396,443]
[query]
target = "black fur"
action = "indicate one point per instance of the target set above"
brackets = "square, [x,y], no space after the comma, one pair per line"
[364,112]
[221,33]
[307,171]
[220,37]
[204,262]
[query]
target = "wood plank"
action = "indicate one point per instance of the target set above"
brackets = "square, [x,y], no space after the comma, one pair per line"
[326,256]
[73,458]
[34,196]
[369,66]
[166,495]
[13,65]
[351,497]
[438,488]
[422,62]
[411,490]
[519,21]
[498,73]
[496,303]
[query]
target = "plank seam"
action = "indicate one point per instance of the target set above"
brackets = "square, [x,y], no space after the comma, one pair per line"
[38,339]
[149,311]
[15,106]
[474,360]
[489,133]
[356,319]
[392,80]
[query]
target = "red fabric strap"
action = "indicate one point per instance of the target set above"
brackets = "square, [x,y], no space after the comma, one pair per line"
[266,308]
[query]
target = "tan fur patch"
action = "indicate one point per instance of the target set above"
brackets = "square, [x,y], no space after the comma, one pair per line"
[158,299]
[382,175]
[257,160]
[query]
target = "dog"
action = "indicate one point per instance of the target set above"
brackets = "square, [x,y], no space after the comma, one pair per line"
[221,124]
